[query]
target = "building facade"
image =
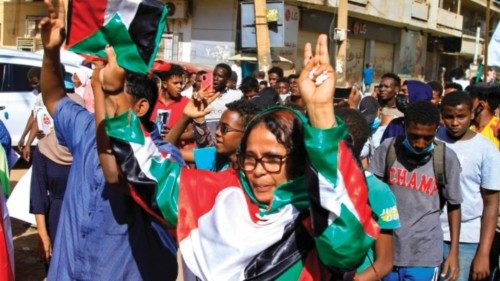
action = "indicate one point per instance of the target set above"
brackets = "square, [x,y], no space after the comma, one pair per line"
[414,38]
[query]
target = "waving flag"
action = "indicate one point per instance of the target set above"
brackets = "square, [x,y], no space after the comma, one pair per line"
[132,27]
[6,244]
[224,233]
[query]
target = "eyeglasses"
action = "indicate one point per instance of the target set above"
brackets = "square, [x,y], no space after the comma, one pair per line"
[270,163]
[224,129]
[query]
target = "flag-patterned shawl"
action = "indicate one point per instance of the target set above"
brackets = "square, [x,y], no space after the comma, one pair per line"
[320,220]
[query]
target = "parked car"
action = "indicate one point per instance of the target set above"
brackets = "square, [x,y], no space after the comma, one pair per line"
[16,95]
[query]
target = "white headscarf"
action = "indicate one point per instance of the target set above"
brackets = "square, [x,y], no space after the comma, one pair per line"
[84,79]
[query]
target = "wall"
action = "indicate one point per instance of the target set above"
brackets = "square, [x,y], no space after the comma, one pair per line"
[355,59]
[183,27]
[14,18]
[412,54]
[213,31]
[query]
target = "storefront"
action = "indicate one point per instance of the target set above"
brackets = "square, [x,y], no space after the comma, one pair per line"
[368,42]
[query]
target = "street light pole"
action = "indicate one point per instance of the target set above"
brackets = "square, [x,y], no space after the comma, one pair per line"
[262,36]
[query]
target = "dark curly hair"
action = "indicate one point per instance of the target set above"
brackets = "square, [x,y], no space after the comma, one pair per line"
[490,94]
[423,113]
[140,86]
[393,76]
[453,85]
[456,98]
[227,69]
[357,126]
[287,128]
[277,70]
[283,80]
[245,108]
[436,86]
[175,70]
[249,84]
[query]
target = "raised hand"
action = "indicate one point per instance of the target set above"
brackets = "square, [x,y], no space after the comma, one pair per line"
[317,84]
[198,106]
[112,76]
[53,27]
[317,67]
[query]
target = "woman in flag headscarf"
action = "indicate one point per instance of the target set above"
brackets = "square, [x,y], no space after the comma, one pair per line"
[81,82]
[412,91]
[295,210]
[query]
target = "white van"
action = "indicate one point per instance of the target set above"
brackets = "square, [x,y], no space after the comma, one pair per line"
[16,95]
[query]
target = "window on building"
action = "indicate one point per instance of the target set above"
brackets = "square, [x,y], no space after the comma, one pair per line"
[169,48]
[450,5]
[31,26]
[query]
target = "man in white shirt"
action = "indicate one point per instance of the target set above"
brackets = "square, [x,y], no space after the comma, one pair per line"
[221,74]
[479,182]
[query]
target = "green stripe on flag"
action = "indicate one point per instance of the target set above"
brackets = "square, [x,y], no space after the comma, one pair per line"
[323,154]
[167,174]
[4,172]
[343,244]
[292,192]
[116,34]
[293,273]
[125,127]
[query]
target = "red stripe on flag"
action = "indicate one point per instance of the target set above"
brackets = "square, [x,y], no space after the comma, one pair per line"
[138,199]
[5,267]
[85,19]
[355,184]
[197,193]
[312,269]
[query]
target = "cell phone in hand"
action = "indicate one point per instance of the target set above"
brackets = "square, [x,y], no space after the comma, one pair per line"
[162,118]
[207,82]
[342,93]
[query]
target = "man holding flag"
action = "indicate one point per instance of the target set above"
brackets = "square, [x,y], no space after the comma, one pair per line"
[102,234]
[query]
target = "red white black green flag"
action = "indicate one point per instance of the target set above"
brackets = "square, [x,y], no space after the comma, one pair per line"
[132,27]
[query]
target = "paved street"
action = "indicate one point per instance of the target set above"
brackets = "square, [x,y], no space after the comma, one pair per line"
[28,265]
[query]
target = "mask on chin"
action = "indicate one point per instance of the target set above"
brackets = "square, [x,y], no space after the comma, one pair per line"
[419,156]
[410,148]
[375,124]
[401,102]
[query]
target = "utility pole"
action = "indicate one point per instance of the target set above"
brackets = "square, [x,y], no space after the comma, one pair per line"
[262,36]
[342,47]
[486,40]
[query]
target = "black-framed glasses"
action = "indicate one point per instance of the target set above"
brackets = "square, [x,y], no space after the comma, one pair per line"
[224,128]
[270,163]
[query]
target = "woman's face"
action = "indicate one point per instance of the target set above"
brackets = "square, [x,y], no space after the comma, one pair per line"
[229,133]
[263,146]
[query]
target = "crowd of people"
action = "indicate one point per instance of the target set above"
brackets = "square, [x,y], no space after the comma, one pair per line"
[255,178]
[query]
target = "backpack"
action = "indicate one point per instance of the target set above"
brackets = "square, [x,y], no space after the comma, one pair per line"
[438,163]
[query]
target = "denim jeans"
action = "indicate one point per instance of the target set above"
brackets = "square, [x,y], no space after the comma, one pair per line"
[466,253]
[412,273]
